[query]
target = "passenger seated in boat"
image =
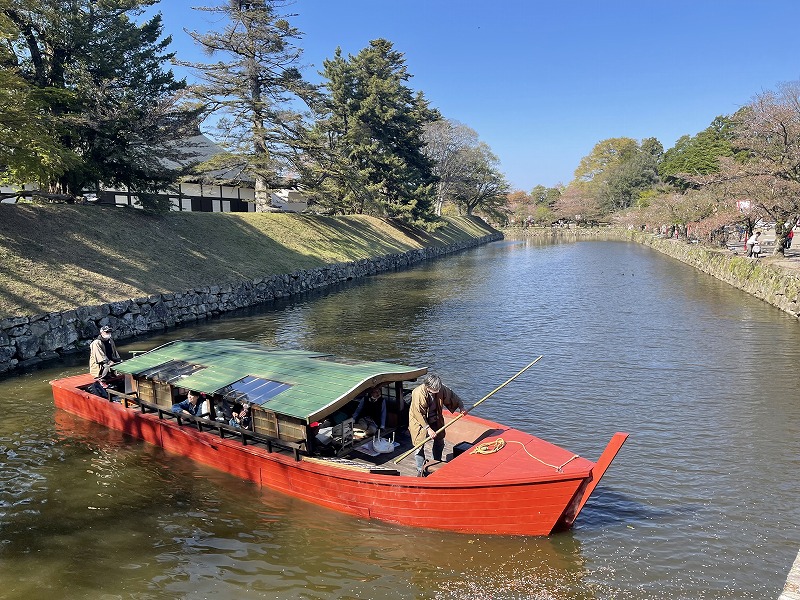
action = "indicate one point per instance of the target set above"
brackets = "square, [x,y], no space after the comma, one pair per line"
[190,406]
[370,415]
[240,417]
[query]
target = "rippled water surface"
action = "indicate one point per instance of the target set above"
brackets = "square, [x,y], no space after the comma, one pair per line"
[700,503]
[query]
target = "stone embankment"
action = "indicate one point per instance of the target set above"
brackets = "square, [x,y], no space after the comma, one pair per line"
[769,278]
[28,340]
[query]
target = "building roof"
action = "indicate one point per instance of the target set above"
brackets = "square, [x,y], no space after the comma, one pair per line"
[295,383]
[199,149]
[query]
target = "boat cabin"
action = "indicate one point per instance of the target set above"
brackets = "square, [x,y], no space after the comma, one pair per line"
[293,398]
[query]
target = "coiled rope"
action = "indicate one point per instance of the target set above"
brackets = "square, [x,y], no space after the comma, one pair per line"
[499,443]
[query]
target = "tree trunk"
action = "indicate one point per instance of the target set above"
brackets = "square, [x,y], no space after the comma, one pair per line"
[262,196]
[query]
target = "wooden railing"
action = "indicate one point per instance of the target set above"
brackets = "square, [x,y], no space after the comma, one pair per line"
[203,423]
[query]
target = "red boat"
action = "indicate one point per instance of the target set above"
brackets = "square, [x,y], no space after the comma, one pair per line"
[301,439]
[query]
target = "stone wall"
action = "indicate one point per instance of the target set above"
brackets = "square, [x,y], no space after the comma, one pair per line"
[28,340]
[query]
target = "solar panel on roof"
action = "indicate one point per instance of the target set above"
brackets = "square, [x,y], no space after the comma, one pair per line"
[254,390]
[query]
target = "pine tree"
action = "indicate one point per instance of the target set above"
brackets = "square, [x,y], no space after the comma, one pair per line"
[371,138]
[102,77]
[255,89]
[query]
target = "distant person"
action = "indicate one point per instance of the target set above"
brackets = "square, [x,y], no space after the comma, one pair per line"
[426,418]
[190,406]
[752,242]
[103,354]
[370,415]
[789,237]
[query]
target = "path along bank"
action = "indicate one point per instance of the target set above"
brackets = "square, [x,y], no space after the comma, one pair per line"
[69,270]
[774,279]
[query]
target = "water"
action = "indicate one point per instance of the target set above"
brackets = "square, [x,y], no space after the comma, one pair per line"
[700,502]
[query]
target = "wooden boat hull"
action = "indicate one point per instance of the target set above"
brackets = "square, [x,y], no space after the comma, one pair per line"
[461,498]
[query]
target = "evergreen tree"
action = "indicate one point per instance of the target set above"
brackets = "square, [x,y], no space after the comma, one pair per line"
[101,80]
[698,155]
[254,88]
[29,144]
[370,139]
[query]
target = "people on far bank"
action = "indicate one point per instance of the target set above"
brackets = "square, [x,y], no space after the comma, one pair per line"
[753,246]
[103,354]
[426,418]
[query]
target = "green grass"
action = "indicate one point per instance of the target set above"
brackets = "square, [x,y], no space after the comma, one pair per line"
[54,258]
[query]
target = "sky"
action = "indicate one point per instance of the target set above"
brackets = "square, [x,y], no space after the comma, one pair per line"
[542,82]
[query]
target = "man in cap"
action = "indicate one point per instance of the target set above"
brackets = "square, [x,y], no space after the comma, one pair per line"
[425,416]
[103,353]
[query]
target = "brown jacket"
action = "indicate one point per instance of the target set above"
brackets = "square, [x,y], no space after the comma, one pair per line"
[98,358]
[426,411]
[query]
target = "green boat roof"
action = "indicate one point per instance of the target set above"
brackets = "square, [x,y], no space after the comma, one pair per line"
[296,383]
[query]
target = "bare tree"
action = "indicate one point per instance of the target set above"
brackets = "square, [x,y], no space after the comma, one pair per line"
[446,142]
[767,132]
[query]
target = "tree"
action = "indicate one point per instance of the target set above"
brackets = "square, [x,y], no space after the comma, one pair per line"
[445,143]
[254,88]
[625,181]
[618,171]
[605,155]
[545,196]
[577,204]
[100,80]
[482,187]
[765,168]
[698,155]
[371,138]
[29,145]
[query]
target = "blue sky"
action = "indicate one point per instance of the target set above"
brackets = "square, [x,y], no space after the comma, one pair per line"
[543,82]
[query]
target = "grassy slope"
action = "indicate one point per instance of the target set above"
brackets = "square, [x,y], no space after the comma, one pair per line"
[58,257]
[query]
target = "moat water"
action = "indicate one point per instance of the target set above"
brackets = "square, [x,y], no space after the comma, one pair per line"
[701,502]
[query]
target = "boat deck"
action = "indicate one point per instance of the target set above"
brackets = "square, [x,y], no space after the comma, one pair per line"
[363,456]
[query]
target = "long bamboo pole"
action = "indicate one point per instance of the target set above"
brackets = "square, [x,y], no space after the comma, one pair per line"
[486,397]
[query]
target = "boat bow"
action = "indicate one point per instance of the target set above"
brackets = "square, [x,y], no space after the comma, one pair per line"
[597,473]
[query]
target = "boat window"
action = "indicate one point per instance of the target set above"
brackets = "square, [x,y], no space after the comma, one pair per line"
[253,389]
[171,372]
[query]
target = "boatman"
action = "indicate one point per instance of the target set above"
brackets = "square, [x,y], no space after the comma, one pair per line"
[425,416]
[103,354]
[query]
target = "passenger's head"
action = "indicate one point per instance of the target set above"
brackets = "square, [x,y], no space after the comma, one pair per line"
[105,332]
[375,393]
[193,396]
[432,383]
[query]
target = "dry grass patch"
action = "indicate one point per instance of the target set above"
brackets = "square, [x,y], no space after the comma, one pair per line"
[58,257]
